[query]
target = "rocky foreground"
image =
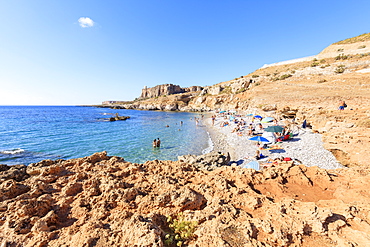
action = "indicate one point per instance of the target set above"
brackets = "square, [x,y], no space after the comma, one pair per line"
[105,201]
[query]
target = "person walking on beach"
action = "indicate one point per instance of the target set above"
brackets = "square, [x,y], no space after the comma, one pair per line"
[158,143]
[213,120]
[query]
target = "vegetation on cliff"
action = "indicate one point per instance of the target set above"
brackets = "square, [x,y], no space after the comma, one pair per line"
[360,38]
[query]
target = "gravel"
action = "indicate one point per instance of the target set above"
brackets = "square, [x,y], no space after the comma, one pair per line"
[305,147]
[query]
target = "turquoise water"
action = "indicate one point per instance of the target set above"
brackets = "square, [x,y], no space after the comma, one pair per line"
[29,134]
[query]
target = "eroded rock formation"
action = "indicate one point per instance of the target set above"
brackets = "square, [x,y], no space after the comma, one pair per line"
[166,89]
[106,201]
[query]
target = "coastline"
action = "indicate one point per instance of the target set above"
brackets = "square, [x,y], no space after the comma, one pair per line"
[305,148]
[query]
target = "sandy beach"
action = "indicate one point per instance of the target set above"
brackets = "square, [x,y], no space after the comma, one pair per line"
[305,147]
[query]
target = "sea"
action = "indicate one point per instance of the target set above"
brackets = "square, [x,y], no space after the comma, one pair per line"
[29,134]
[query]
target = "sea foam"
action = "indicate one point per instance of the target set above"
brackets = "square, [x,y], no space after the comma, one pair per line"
[12,151]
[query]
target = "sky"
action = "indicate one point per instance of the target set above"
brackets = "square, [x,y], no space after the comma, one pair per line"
[76,52]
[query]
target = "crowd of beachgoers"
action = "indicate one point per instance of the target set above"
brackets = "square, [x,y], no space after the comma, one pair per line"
[256,141]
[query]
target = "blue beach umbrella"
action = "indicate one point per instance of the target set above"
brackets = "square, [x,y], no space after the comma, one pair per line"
[258,139]
[222,111]
[257,116]
[250,114]
[267,119]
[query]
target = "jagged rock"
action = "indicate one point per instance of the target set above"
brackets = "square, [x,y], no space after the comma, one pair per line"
[209,161]
[10,189]
[118,118]
[15,172]
[214,90]
[166,89]
[100,199]
[269,108]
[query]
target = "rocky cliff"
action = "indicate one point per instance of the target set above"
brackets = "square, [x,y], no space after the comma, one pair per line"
[166,89]
[105,201]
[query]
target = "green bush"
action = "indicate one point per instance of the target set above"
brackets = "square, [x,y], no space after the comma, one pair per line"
[283,77]
[362,47]
[341,57]
[241,90]
[181,230]
[340,69]
[255,76]
[363,55]
[226,90]
[314,64]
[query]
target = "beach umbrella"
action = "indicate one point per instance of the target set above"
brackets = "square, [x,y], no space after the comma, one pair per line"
[258,139]
[222,111]
[267,119]
[257,116]
[250,114]
[274,128]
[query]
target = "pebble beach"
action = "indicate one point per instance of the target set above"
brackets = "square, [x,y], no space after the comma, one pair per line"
[305,147]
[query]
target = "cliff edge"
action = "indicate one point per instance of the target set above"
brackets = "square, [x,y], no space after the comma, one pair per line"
[105,201]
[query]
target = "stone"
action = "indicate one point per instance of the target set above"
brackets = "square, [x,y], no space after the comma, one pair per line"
[209,161]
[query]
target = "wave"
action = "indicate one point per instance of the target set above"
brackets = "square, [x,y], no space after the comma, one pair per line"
[210,145]
[12,151]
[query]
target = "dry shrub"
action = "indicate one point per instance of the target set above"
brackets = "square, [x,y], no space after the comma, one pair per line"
[364,123]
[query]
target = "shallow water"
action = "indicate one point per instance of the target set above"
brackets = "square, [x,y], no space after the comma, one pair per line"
[29,134]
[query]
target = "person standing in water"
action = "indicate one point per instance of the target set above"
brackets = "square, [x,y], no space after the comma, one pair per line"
[155,143]
[158,143]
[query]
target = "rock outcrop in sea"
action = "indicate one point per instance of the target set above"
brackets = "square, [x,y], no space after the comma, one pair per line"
[105,201]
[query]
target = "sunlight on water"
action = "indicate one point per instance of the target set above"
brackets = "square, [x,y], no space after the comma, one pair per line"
[30,134]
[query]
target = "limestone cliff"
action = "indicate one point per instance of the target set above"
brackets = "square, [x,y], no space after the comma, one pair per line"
[166,89]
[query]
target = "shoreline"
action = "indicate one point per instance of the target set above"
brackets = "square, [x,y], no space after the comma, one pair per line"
[306,147]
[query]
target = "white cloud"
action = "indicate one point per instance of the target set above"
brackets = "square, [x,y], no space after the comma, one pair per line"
[85,22]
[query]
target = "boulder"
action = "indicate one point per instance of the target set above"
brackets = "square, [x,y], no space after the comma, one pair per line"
[118,118]
[209,161]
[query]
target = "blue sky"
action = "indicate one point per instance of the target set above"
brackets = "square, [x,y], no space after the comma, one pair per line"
[47,57]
